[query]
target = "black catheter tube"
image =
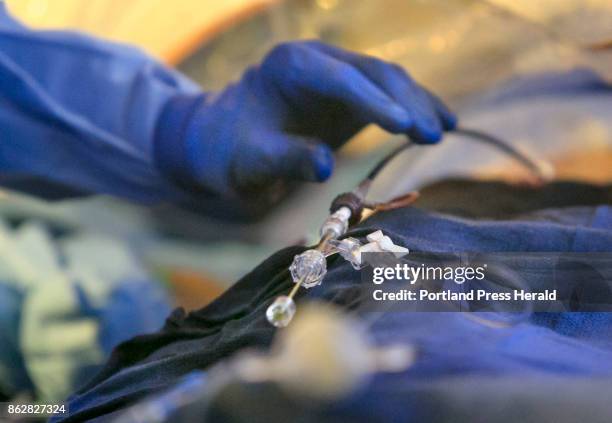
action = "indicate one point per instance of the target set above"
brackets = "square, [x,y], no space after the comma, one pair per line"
[472,134]
[355,199]
[502,146]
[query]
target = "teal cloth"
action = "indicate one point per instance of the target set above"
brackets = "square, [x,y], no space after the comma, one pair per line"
[64,304]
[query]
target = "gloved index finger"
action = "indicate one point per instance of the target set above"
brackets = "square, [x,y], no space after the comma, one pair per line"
[393,80]
[318,73]
[449,120]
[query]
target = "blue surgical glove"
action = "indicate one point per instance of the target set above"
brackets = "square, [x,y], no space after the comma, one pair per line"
[282,120]
[80,115]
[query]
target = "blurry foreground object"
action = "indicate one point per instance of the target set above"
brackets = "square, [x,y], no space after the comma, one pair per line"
[323,357]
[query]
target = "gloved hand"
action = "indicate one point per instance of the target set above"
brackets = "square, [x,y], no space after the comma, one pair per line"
[284,117]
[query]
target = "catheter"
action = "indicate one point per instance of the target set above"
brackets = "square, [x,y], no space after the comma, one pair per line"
[309,268]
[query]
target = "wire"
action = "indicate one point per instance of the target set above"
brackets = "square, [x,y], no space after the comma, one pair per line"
[473,134]
[385,160]
[355,200]
[506,148]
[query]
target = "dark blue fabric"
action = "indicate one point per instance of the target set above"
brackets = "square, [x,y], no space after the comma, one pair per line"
[449,345]
[80,113]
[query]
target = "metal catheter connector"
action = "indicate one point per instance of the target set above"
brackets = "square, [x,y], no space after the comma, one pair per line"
[308,270]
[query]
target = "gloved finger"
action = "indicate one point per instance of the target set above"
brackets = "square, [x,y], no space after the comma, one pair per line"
[449,119]
[301,71]
[296,158]
[428,113]
[427,125]
[399,85]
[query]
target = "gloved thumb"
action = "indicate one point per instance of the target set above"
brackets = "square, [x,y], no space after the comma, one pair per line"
[300,158]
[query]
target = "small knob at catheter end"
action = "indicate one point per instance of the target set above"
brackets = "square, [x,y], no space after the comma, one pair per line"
[281,311]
